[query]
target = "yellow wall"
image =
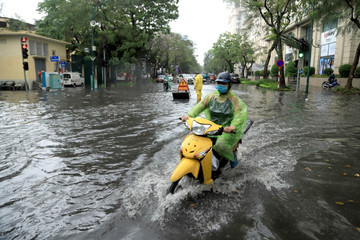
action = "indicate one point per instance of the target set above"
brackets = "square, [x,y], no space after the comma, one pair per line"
[11,67]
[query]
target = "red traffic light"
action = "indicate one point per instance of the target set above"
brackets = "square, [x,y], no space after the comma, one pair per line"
[24,46]
[23,39]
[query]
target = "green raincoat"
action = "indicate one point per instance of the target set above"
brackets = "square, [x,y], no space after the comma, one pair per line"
[226,110]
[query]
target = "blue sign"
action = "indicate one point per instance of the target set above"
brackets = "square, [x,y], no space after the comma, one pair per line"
[54,58]
[63,64]
[280,63]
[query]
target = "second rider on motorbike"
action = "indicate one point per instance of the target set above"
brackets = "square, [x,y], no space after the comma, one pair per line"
[224,108]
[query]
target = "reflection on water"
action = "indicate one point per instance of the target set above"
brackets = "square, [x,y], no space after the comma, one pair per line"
[82,164]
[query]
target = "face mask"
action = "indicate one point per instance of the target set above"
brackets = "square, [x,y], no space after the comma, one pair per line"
[221,88]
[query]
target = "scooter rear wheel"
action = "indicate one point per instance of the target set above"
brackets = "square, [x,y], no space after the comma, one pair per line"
[173,186]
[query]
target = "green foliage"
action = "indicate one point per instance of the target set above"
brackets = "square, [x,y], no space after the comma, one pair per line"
[328,71]
[290,70]
[312,70]
[258,73]
[344,70]
[352,91]
[274,71]
[16,25]
[126,25]
[213,64]
[231,49]
[171,50]
[357,72]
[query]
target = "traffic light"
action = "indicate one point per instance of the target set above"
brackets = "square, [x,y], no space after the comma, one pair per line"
[26,66]
[301,54]
[24,47]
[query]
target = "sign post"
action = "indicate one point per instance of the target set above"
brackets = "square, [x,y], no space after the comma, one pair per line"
[280,64]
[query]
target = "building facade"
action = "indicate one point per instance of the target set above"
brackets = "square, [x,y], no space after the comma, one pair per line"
[330,49]
[40,50]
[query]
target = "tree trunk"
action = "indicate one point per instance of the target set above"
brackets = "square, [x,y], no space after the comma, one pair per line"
[266,72]
[230,65]
[243,72]
[353,68]
[280,56]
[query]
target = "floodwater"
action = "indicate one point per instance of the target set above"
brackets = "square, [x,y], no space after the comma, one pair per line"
[82,164]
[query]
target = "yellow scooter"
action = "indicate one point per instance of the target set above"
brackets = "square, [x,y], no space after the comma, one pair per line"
[196,152]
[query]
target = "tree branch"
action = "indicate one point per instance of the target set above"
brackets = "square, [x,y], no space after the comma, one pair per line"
[263,16]
[354,20]
[285,7]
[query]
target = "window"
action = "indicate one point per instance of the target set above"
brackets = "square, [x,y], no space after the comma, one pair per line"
[308,33]
[32,47]
[46,49]
[330,24]
[39,48]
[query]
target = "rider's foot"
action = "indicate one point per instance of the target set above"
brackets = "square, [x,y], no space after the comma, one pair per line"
[234,163]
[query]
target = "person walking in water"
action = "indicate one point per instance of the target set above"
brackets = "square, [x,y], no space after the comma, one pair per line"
[198,86]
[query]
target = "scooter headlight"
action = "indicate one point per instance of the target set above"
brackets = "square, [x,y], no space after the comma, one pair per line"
[199,129]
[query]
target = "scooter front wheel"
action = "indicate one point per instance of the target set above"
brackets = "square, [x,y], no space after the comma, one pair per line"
[173,186]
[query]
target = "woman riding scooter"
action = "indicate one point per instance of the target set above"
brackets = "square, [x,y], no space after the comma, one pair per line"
[223,107]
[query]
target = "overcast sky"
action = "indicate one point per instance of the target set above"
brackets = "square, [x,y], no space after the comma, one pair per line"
[201,20]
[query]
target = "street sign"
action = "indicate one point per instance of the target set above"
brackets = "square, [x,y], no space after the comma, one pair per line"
[280,63]
[54,58]
[63,64]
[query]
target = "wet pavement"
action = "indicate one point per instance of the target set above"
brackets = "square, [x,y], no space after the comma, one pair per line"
[82,164]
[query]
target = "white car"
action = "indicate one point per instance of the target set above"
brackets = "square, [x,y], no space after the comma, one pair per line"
[188,78]
[73,79]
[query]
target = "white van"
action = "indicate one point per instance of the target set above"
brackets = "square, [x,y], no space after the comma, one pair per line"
[73,79]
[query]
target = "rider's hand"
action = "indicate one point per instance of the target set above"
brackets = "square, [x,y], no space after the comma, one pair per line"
[229,129]
[184,118]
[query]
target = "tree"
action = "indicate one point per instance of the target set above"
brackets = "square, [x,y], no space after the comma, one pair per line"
[126,25]
[213,64]
[247,55]
[227,49]
[170,51]
[252,17]
[347,12]
[277,16]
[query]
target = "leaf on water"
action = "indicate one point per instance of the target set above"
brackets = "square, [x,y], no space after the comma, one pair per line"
[358,228]
[192,205]
[319,175]
[347,165]
[357,175]
[345,174]
[340,203]
[351,201]
[307,169]
[296,191]
[329,167]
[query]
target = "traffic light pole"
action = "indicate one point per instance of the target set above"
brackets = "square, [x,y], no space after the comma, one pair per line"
[309,62]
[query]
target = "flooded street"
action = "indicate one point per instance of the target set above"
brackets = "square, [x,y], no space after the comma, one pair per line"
[81,164]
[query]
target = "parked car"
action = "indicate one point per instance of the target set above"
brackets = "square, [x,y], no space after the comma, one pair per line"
[212,76]
[73,79]
[235,78]
[160,78]
[188,78]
